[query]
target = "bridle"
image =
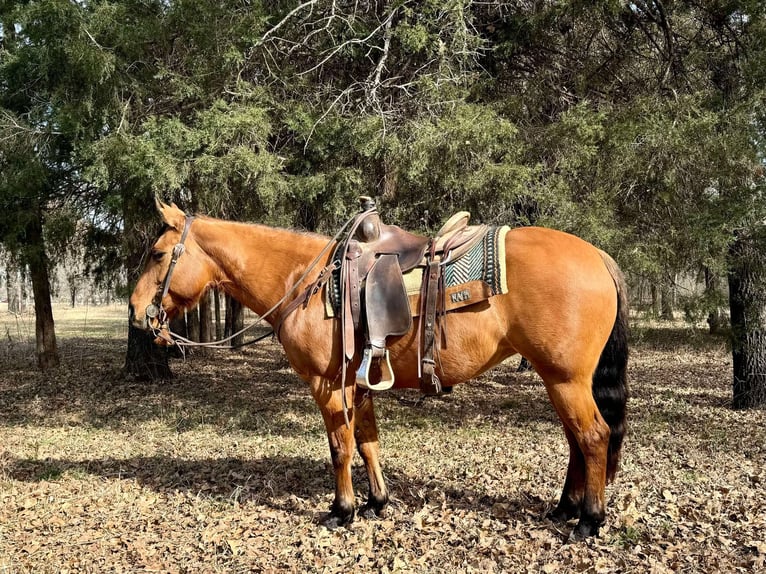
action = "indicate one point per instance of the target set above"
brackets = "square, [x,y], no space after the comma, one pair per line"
[155,310]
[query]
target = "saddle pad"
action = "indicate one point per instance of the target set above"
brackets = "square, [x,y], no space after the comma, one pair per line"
[474,277]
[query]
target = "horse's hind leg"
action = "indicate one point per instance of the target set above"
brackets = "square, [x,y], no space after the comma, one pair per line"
[588,433]
[366,430]
[329,396]
[574,485]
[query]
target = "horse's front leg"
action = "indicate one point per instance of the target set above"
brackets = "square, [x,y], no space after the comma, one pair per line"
[329,396]
[366,431]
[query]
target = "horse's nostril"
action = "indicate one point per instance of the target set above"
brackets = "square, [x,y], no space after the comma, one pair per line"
[132,318]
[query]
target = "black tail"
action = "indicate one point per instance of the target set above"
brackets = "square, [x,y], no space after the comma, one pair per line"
[610,389]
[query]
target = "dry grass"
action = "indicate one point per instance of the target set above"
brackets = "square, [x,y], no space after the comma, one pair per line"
[226,468]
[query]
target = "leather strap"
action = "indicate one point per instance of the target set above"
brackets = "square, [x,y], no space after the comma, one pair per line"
[353,254]
[429,381]
[178,250]
[303,299]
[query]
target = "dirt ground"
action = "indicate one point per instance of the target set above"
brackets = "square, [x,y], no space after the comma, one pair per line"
[226,468]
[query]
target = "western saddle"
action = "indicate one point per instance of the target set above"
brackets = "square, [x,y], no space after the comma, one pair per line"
[374,304]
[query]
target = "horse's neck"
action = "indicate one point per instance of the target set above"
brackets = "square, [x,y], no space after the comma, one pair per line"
[257,265]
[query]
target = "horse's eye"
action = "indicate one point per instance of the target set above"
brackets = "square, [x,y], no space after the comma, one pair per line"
[158,255]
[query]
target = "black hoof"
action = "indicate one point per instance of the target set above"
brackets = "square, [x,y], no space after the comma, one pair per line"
[371,511]
[331,522]
[564,511]
[335,519]
[584,529]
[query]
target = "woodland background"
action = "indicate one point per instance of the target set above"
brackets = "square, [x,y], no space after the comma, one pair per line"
[638,126]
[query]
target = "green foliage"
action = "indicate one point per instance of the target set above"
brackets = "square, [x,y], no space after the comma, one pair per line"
[466,159]
[638,129]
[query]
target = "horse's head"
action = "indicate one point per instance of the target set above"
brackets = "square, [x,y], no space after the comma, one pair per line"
[176,274]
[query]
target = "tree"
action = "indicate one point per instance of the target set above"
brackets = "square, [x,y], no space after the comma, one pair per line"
[747,294]
[53,89]
[634,125]
[15,284]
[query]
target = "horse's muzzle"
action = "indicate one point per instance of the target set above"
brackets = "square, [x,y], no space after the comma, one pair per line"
[137,322]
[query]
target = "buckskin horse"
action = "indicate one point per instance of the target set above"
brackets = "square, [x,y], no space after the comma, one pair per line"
[565,311]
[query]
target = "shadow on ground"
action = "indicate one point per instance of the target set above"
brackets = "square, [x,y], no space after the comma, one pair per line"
[292,484]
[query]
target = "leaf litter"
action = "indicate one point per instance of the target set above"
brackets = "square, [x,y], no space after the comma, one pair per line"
[226,469]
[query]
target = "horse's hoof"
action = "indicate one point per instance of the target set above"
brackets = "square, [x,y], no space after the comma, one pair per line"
[585,529]
[331,522]
[563,513]
[334,519]
[371,512]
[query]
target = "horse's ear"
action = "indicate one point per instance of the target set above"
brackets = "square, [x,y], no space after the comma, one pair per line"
[171,214]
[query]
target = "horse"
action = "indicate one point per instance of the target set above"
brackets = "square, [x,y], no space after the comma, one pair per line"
[565,311]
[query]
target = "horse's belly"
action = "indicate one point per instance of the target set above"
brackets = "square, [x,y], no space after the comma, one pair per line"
[469,341]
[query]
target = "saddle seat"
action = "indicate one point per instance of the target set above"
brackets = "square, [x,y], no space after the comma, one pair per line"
[375,302]
[378,238]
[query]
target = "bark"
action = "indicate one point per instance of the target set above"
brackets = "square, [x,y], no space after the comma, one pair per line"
[192,323]
[747,302]
[145,360]
[46,348]
[205,322]
[655,301]
[205,319]
[218,324]
[235,320]
[716,318]
[178,325]
[15,279]
[668,302]
[524,366]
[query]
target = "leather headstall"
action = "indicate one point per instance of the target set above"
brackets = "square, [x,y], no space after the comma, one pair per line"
[155,309]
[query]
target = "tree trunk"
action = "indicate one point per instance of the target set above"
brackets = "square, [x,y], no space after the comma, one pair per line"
[178,325]
[655,301]
[205,322]
[45,335]
[235,320]
[14,277]
[192,323]
[205,319]
[218,324]
[716,318]
[668,303]
[524,366]
[747,301]
[145,360]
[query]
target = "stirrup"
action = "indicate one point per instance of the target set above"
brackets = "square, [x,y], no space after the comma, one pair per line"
[386,372]
[430,384]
